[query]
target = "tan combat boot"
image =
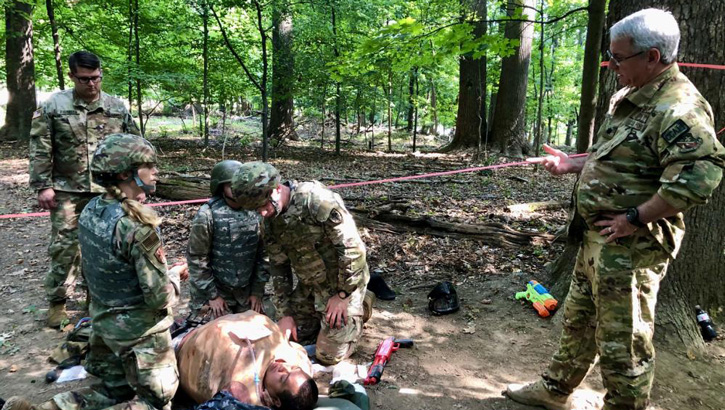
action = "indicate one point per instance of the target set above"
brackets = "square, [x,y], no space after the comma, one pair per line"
[17,403]
[56,314]
[535,394]
[368,302]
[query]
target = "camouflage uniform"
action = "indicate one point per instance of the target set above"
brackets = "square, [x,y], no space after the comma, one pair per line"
[130,346]
[317,237]
[657,139]
[225,256]
[65,132]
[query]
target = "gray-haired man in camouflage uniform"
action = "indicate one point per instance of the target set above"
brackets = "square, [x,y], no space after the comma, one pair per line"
[225,252]
[65,132]
[309,231]
[656,156]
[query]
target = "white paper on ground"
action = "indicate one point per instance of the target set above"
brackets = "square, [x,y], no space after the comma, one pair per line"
[72,373]
[253,333]
[348,371]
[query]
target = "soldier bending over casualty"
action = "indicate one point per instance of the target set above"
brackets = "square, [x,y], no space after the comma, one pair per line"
[309,231]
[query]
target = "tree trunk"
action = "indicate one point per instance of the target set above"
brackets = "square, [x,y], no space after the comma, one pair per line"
[540,103]
[434,105]
[390,103]
[508,132]
[56,44]
[695,277]
[205,52]
[590,69]
[281,125]
[411,91]
[471,117]
[324,117]
[263,84]
[338,102]
[569,131]
[415,113]
[129,55]
[139,95]
[20,71]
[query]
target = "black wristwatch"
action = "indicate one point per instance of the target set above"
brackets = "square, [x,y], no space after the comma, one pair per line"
[343,294]
[632,215]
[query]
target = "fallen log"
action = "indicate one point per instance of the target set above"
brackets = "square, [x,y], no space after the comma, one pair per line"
[491,233]
[386,217]
[181,188]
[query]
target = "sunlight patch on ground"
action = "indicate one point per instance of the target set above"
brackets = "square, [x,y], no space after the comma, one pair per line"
[14,179]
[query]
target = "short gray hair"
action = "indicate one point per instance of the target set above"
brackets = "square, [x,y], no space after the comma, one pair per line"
[650,28]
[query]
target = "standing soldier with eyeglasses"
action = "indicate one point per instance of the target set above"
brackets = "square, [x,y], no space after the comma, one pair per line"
[656,156]
[65,132]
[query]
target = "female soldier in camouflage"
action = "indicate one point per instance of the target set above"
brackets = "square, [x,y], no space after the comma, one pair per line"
[132,293]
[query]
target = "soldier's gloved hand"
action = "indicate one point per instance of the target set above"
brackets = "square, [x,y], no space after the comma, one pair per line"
[46,198]
[218,307]
[288,327]
[336,312]
[255,304]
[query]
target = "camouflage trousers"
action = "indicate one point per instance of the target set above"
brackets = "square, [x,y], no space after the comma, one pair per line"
[64,250]
[136,375]
[237,299]
[610,311]
[333,345]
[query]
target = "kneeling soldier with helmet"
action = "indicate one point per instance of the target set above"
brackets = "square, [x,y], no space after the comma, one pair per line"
[225,251]
[309,231]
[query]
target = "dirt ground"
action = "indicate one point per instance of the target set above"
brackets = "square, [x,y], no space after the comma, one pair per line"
[460,361]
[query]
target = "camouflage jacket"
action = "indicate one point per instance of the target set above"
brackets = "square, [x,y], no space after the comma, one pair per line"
[658,139]
[225,248]
[141,247]
[317,237]
[64,135]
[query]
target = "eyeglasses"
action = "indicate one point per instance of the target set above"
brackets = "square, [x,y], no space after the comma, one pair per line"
[618,61]
[85,80]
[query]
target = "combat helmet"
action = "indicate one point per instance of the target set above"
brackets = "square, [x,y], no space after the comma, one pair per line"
[222,173]
[253,184]
[119,153]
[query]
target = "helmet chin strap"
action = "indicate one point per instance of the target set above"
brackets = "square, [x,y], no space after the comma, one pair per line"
[276,206]
[147,189]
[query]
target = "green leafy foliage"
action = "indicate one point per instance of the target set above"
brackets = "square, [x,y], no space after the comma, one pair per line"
[373,51]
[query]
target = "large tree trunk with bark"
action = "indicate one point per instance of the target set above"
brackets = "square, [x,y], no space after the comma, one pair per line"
[471,119]
[590,71]
[56,43]
[20,70]
[508,131]
[281,125]
[696,276]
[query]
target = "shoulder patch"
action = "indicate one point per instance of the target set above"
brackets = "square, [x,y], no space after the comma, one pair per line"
[37,113]
[150,241]
[675,130]
[688,143]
